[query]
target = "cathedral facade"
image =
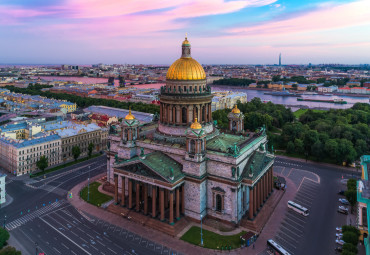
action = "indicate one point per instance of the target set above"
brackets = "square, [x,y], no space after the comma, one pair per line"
[183,165]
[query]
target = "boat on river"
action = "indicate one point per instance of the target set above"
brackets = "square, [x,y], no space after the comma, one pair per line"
[284,93]
[334,101]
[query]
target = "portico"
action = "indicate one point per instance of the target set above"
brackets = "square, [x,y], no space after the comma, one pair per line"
[151,188]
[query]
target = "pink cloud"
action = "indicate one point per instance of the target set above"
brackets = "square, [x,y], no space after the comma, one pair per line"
[213,7]
[328,17]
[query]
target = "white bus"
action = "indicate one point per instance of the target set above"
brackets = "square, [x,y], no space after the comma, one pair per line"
[298,208]
[275,248]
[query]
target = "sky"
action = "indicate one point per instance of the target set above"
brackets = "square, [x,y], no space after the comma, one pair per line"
[151,31]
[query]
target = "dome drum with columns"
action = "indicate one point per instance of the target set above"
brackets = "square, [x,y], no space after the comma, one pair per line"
[184,98]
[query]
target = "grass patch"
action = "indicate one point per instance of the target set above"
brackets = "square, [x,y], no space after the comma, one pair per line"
[212,240]
[300,112]
[64,165]
[96,198]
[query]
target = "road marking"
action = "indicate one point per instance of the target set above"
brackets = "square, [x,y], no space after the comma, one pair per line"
[285,228]
[112,251]
[294,215]
[57,250]
[64,246]
[64,235]
[292,225]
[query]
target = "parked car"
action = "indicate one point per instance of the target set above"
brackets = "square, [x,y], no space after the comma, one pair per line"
[339,229]
[342,209]
[341,192]
[339,235]
[338,248]
[340,242]
[344,201]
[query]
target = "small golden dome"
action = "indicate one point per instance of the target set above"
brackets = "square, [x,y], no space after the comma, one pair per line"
[186,42]
[235,109]
[196,124]
[129,116]
[186,69]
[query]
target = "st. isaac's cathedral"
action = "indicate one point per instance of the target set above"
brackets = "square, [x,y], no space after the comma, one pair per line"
[183,166]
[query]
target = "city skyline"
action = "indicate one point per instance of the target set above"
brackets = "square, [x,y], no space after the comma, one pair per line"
[221,32]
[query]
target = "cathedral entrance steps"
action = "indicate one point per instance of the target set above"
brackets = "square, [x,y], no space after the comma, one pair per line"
[148,221]
[264,214]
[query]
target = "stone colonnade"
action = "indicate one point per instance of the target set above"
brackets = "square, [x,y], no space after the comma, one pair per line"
[259,193]
[140,196]
[184,114]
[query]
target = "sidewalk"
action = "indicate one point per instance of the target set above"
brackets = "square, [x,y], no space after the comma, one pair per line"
[268,231]
[273,224]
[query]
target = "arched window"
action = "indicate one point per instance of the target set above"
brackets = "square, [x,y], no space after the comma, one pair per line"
[184,115]
[195,113]
[233,127]
[218,203]
[192,146]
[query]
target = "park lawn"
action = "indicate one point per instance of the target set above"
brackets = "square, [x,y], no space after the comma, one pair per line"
[212,240]
[64,165]
[300,112]
[96,198]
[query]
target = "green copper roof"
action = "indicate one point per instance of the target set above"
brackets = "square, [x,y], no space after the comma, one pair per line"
[224,141]
[155,165]
[257,163]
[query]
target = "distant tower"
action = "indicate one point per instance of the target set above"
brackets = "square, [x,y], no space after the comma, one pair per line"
[280,59]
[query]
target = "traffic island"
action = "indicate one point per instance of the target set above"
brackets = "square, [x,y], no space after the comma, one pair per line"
[212,240]
[95,197]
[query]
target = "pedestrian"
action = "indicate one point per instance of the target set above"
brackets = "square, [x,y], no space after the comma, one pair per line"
[253,246]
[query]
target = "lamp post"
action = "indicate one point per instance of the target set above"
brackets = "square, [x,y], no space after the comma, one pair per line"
[4,222]
[88,186]
[36,244]
[201,230]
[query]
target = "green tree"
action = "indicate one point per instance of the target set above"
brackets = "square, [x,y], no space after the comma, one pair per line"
[345,252]
[360,147]
[350,237]
[90,149]
[350,248]
[4,236]
[351,196]
[76,152]
[317,150]
[9,250]
[290,147]
[310,138]
[331,148]
[42,163]
[299,146]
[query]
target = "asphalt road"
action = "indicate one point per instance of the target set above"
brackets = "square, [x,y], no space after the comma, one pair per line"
[41,213]
[318,186]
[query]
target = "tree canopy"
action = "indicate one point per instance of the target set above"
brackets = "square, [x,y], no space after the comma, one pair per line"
[42,163]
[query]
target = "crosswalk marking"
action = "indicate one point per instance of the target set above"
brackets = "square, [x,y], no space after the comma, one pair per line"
[30,216]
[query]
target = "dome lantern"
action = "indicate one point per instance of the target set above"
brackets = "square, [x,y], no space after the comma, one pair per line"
[129,116]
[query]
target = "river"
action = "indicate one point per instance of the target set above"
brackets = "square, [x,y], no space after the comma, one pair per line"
[291,101]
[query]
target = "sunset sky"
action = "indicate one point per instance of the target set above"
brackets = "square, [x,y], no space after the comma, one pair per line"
[151,31]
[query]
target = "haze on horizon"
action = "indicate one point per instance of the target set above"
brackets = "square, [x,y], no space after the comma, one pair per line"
[151,31]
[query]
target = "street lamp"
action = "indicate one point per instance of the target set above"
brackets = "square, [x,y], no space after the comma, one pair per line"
[201,232]
[36,244]
[4,222]
[88,186]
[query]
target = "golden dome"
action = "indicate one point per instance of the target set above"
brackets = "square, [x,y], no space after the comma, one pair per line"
[196,124]
[129,116]
[235,109]
[186,41]
[186,69]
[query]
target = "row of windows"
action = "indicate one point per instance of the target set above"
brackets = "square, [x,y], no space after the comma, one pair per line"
[190,88]
[79,138]
[46,146]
